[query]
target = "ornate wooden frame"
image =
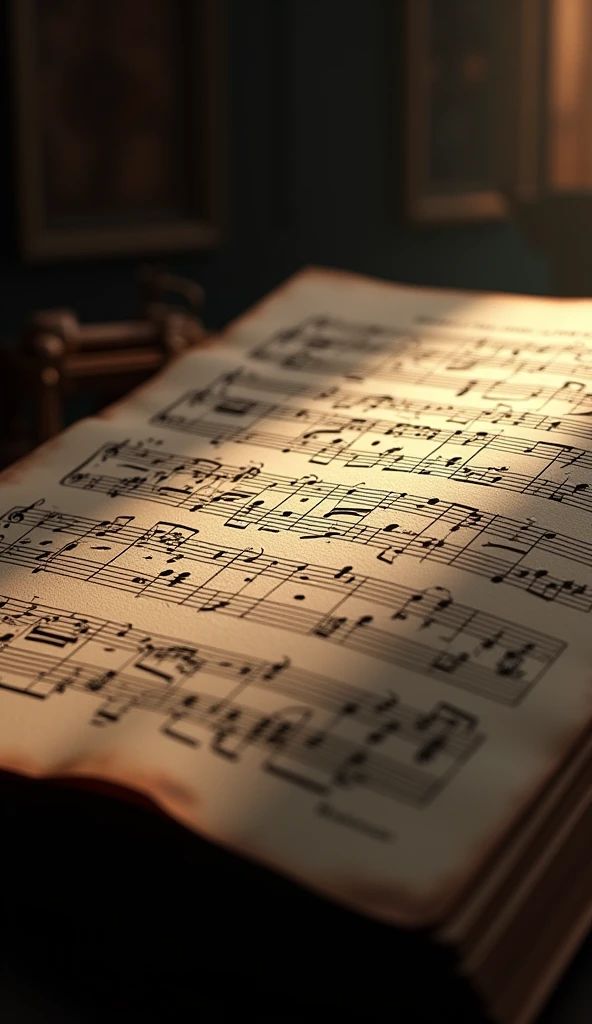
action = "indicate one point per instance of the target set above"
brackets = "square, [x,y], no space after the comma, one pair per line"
[41,240]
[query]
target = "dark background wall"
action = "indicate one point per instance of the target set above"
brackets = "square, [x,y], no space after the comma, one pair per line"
[315,147]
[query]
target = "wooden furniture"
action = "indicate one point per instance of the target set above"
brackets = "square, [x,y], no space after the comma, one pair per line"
[57,359]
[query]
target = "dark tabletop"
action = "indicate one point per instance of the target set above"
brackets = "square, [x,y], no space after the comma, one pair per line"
[25,999]
[92,886]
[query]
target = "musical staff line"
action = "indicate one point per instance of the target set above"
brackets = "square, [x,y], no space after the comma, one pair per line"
[571,396]
[496,547]
[336,737]
[425,631]
[328,337]
[329,345]
[465,456]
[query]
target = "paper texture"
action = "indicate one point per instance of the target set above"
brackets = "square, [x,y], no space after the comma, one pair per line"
[322,590]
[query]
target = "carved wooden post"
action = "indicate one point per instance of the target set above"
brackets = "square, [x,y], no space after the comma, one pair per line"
[45,347]
[61,357]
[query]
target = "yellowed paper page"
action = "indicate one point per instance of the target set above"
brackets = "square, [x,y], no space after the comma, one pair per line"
[320,591]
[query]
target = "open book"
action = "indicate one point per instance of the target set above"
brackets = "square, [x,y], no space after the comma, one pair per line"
[320,592]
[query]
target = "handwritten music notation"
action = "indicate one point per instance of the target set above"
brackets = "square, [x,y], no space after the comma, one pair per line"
[311,730]
[547,564]
[426,631]
[568,406]
[544,469]
[359,351]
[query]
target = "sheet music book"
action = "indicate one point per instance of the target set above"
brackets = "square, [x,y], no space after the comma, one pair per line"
[320,593]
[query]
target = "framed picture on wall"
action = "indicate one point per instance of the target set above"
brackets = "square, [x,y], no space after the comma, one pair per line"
[454,115]
[119,126]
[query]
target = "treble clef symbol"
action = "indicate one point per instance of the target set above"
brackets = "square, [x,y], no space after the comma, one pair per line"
[17,515]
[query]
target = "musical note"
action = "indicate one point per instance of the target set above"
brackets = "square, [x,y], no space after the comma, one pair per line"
[314,743]
[314,600]
[495,547]
[425,450]
[357,351]
[57,632]
[561,406]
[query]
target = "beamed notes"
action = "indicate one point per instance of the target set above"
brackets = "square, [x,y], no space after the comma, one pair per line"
[395,523]
[425,630]
[327,576]
[294,719]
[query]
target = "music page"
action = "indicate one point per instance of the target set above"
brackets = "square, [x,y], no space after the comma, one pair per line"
[321,590]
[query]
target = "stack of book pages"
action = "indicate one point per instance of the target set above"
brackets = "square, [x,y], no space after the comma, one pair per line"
[295,664]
